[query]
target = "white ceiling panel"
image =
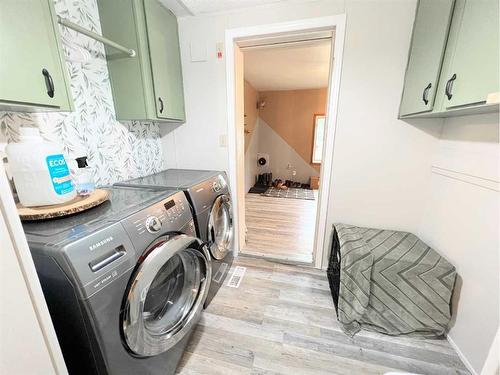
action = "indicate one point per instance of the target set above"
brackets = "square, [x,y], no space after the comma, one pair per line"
[288,67]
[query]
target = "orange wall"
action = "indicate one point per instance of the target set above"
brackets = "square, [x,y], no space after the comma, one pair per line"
[291,115]
[251,112]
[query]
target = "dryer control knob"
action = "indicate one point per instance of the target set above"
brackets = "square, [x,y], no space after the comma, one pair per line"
[216,187]
[153,224]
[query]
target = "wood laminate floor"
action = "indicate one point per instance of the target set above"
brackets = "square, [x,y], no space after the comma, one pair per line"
[280,228]
[281,320]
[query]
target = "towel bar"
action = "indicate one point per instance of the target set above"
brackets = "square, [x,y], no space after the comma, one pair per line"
[90,34]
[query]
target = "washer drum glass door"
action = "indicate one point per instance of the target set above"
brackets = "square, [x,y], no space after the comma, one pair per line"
[220,227]
[166,294]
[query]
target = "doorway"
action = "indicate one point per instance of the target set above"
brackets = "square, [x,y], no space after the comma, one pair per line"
[285,94]
[302,216]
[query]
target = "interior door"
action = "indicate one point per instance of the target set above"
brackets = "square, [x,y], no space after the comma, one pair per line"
[430,32]
[220,227]
[30,67]
[166,295]
[163,40]
[473,73]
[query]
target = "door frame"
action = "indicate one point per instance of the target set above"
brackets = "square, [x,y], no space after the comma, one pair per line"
[10,225]
[334,23]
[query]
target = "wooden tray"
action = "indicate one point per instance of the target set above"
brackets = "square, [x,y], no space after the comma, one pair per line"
[74,206]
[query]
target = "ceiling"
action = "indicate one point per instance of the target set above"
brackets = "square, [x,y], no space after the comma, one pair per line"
[294,67]
[182,8]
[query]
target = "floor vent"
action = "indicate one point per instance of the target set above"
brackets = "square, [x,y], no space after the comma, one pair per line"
[236,277]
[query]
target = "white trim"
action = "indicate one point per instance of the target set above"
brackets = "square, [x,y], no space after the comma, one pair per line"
[13,225]
[337,23]
[467,178]
[461,355]
[321,242]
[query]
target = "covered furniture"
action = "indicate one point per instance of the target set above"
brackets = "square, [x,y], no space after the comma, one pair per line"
[390,282]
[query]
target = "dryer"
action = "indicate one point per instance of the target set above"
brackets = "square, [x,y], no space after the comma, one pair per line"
[210,198]
[125,282]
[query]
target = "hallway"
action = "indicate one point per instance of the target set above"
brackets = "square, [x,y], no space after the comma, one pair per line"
[280,228]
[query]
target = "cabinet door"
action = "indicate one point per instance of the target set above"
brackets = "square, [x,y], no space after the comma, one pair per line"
[430,32]
[473,72]
[31,70]
[164,51]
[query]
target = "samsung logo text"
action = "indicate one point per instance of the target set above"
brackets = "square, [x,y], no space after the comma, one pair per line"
[100,243]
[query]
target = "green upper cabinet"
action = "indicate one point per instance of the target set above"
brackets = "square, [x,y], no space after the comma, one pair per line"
[473,60]
[163,41]
[430,32]
[147,86]
[33,75]
[467,75]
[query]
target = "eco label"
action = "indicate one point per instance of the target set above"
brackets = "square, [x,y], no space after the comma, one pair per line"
[59,174]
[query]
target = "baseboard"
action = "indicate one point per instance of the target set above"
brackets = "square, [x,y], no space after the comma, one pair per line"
[461,355]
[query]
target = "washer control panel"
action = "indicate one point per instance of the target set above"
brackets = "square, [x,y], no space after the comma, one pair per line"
[169,214]
[168,211]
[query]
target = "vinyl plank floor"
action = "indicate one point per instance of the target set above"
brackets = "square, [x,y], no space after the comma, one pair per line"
[280,228]
[281,320]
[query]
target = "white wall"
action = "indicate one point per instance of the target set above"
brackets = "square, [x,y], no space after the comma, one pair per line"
[23,349]
[461,221]
[381,165]
[197,141]
[280,153]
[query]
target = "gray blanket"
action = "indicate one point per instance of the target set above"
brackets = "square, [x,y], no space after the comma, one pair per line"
[392,282]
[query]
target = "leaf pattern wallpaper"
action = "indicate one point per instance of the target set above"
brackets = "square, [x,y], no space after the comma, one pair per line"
[116,150]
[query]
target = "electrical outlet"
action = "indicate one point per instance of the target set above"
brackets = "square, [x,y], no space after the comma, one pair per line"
[294,173]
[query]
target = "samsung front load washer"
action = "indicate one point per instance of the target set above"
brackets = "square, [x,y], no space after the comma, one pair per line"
[125,282]
[210,198]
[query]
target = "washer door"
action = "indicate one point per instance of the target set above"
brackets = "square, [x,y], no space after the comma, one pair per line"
[165,295]
[220,227]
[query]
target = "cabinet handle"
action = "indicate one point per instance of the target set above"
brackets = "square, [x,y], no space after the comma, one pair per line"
[449,86]
[161,104]
[425,94]
[48,82]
